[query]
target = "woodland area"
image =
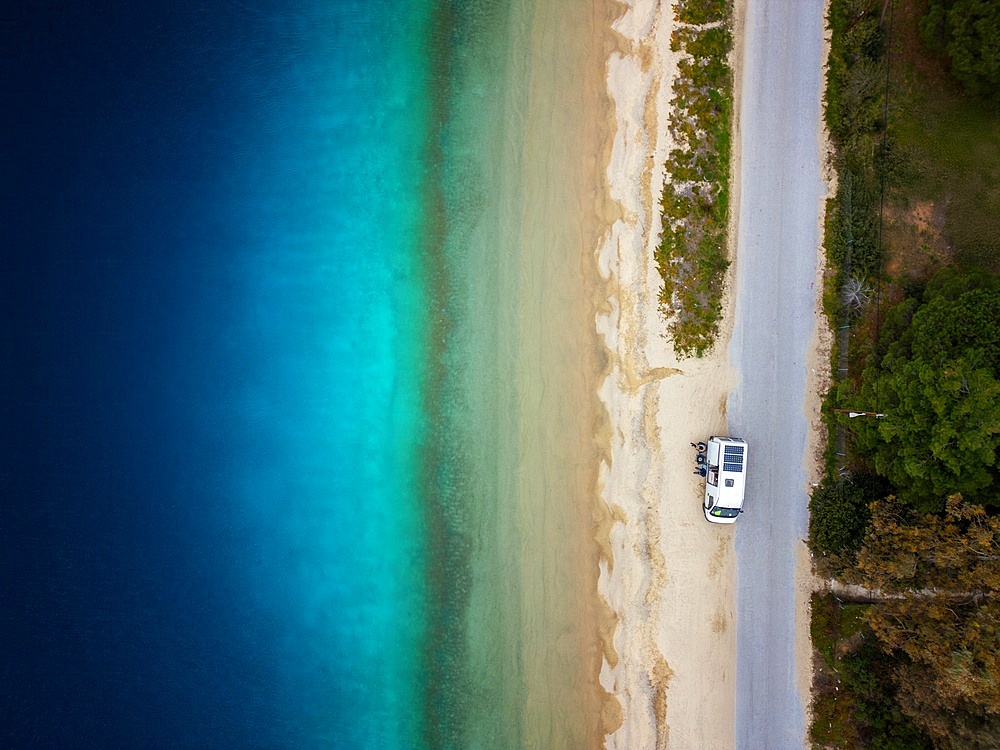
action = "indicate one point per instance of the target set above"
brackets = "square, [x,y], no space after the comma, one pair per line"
[908,512]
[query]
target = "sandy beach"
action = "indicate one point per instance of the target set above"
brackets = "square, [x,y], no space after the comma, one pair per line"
[671,577]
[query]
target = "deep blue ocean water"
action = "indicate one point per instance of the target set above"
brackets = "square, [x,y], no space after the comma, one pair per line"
[214,288]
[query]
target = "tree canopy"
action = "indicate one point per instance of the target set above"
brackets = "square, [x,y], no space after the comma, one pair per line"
[969,32]
[838,513]
[938,385]
[938,577]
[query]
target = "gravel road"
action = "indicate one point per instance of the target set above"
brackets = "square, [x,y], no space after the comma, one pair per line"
[781,190]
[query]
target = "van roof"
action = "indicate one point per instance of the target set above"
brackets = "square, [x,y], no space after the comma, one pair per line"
[732,478]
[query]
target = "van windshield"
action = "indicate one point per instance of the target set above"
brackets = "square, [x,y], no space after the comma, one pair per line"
[726,512]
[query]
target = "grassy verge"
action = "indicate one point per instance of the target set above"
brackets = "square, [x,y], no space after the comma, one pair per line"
[692,257]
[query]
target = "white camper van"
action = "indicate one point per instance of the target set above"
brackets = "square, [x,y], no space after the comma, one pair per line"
[725,478]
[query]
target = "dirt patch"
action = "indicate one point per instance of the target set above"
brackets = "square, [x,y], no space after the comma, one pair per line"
[917,245]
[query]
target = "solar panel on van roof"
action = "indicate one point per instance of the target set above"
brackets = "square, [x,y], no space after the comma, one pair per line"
[732,458]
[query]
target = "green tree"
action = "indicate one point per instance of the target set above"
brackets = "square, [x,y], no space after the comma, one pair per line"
[937,382]
[941,432]
[838,515]
[969,32]
[955,319]
[938,578]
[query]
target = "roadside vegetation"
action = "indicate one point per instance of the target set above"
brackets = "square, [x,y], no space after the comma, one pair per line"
[853,692]
[909,509]
[692,257]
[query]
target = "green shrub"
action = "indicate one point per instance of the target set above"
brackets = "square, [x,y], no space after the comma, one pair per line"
[702,11]
[691,256]
[838,516]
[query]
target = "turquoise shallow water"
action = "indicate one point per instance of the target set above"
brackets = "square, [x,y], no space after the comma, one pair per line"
[334,290]
[476,681]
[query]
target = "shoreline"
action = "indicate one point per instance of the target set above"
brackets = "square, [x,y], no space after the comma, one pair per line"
[527,625]
[554,209]
[670,579]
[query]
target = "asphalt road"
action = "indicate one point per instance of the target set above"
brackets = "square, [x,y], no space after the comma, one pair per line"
[781,189]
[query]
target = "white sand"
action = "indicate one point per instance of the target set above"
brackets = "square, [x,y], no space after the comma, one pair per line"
[671,578]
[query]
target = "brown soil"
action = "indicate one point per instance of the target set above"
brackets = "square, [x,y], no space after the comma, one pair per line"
[916,242]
